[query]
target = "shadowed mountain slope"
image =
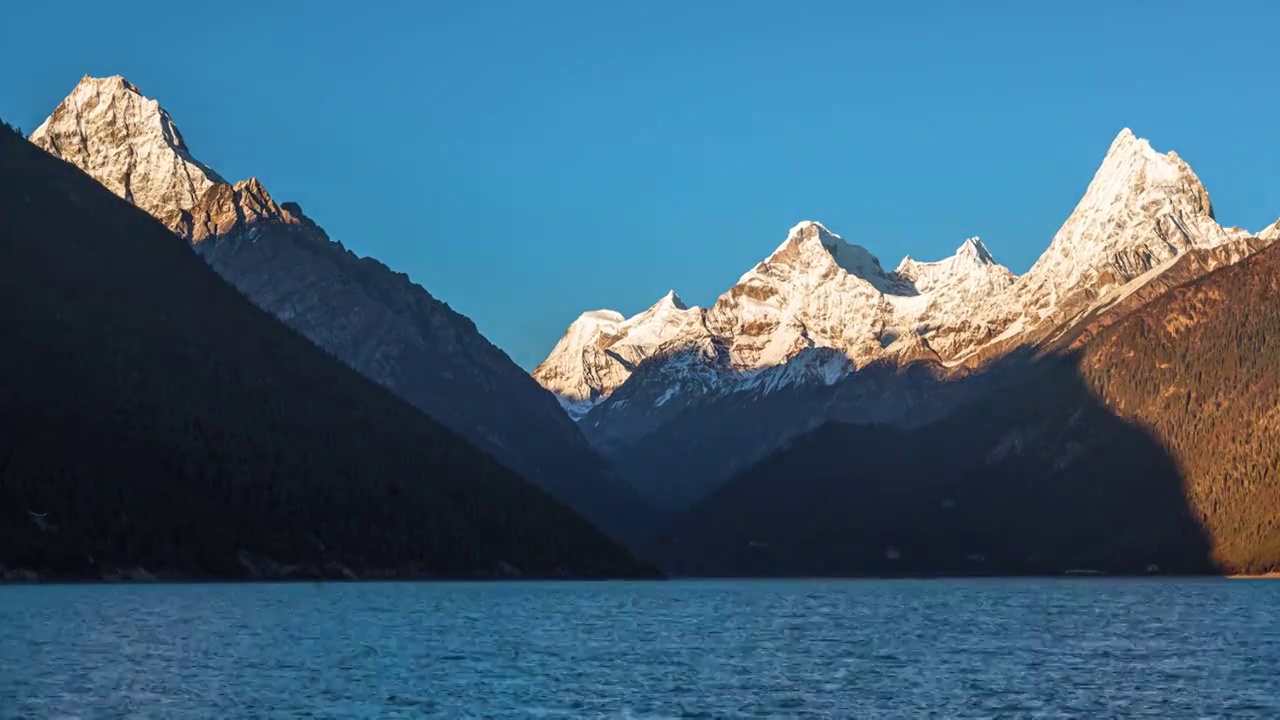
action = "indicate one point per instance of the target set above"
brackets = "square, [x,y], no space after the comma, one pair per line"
[1148,442]
[388,328]
[152,417]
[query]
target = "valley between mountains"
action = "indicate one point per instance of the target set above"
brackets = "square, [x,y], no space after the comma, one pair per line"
[202,383]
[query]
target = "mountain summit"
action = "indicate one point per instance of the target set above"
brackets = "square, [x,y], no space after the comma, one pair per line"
[129,141]
[602,348]
[377,321]
[972,257]
[1141,209]
[811,248]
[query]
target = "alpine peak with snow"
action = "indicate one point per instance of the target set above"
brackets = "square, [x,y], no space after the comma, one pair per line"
[374,319]
[1141,210]
[804,332]
[601,348]
[129,141]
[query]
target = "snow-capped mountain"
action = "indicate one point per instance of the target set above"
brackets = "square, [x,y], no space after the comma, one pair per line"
[376,320]
[818,291]
[131,143]
[601,348]
[815,291]
[819,311]
[1141,210]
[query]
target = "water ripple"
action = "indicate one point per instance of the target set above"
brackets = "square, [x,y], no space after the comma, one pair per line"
[800,649]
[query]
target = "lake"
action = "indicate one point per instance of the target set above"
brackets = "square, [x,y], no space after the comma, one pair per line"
[679,649]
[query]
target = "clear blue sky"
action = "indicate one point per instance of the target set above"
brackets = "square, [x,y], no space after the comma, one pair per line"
[526,161]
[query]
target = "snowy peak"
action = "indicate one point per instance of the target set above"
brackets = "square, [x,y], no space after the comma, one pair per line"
[606,321]
[813,249]
[1133,184]
[1270,233]
[668,306]
[970,260]
[1141,209]
[1131,165]
[127,142]
[601,349]
[672,300]
[975,252]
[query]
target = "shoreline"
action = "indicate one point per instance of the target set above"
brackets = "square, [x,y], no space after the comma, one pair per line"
[32,579]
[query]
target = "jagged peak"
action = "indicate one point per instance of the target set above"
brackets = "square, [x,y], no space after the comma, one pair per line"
[809,232]
[672,300]
[99,119]
[971,251]
[812,245]
[1133,181]
[1131,163]
[669,308]
[808,226]
[111,82]
[1125,139]
[254,187]
[227,210]
[974,251]
[1126,143]
[76,103]
[601,348]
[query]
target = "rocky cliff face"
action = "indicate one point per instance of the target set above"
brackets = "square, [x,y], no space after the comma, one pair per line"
[227,209]
[820,313]
[376,320]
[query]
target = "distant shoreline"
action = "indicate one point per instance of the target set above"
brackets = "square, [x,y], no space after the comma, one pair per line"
[15,579]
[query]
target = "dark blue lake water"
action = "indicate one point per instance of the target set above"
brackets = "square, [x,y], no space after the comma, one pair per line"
[876,649]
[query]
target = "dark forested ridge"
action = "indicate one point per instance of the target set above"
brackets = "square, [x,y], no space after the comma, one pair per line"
[153,418]
[1199,368]
[395,333]
[1153,445]
[388,328]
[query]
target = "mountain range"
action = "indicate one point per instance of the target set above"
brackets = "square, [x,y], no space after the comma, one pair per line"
[683,398]
[1110,410]
[376,320]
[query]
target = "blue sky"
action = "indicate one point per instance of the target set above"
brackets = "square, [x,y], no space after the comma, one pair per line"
[528,161]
